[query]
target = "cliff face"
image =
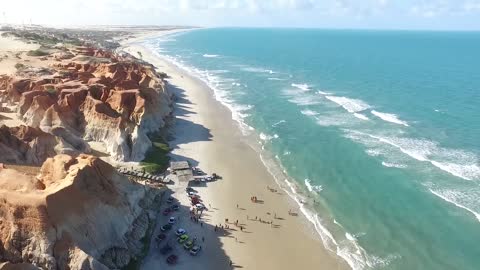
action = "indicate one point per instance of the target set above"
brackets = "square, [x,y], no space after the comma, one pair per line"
[93,96]
[26,145]
[78,213]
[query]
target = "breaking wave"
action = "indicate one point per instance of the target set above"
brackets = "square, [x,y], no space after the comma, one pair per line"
[389,117]
[349,104]
[312,188]
[393,165]
[457,198]
[361,116]
[303,86]
[210,55]
[309,112]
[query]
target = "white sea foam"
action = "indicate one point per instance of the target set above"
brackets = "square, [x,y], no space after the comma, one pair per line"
[302,86]
[275,79]
[258,70]
[331,120]
[210,55]
[220,71]
[350,237]
[215,82]
[266,137]
[456,162]
[393,165]
[456,198]
[312,188]
[323,93]
[389,117]
[309,112]
[278,123]
[374,152]
[465,171]
[361,116]
[349,104]
[305,100]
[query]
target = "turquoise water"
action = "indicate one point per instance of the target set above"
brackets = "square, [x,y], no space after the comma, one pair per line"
[375,134]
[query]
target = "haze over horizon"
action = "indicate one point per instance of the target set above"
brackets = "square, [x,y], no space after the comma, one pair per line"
[369,14]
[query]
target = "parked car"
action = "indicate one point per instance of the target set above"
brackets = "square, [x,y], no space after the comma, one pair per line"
[200,206]
[172,259]
[161,237]
[182,238]
[189,189]
[188,245]
[172,220]
[170,200]
[180,232]
[166,227]
[195,249]
[175,207]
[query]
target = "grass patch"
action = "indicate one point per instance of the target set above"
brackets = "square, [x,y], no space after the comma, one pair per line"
[19,66]
[157,159]
[50,89]
[37,53]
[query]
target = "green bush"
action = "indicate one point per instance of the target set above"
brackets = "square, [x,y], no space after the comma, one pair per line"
[157,159]
[37,53]
[50,89]
[19,66]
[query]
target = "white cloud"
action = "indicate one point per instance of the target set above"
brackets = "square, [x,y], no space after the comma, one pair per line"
[233,12]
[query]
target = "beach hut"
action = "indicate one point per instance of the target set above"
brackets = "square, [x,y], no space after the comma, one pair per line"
[179,165]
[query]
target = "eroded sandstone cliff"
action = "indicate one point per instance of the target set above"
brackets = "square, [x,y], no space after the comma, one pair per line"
[94,96]
[78,213]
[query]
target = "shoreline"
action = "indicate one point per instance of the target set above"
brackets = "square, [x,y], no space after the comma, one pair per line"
[208,112]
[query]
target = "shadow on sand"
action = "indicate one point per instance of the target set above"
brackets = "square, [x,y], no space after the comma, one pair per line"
[212,254]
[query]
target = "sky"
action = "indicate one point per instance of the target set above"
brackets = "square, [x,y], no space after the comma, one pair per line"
[351,14]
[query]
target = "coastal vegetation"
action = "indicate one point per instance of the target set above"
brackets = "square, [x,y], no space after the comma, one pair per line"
[19,66]
[37,53]
[157,159]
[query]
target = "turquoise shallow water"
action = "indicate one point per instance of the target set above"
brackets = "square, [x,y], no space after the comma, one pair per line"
[374,133]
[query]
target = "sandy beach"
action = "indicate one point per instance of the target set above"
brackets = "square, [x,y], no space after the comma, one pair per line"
[205,135]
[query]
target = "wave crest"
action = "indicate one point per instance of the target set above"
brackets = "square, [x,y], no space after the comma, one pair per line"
[349,104]
[389,117]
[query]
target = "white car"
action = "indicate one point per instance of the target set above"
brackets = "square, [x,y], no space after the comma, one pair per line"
[195,249]
[180,232]
[172,220]
[200,206]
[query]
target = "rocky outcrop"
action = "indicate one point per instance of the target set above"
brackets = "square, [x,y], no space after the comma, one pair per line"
[25,145]
[78,213]
[94,96]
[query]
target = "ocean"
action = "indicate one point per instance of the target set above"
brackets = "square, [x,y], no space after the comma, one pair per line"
[375,134]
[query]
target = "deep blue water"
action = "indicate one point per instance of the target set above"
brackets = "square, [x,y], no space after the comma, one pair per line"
[381,129]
